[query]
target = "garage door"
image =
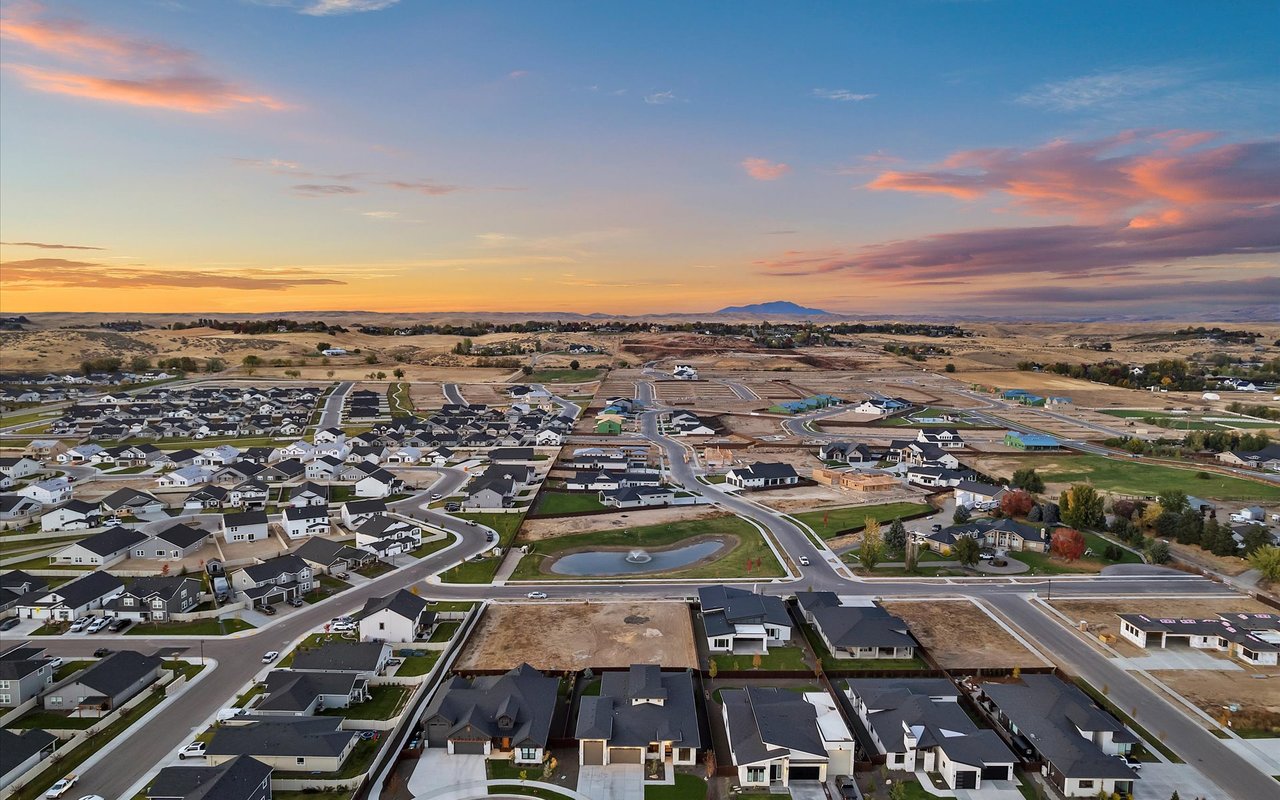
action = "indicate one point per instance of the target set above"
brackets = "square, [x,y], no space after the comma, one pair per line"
[593,753]
[1000,773]
[967,779]
[626,755]
[469,748]
[805,773]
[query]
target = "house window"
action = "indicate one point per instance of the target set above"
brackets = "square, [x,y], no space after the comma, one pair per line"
[755,775]
[720,644]
[55,700]
[1086,784]
[4,684]
[528,754]
[140,553]
[300,760]
[382,626]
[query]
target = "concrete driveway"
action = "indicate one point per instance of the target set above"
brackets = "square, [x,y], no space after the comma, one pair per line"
[616,781]
[1160,781]
[1180,658]
[439,773]
[991,790]
[807,790]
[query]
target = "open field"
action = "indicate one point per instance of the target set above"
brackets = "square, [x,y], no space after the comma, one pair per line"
[573,636]
[960,635]
[536,530]
[1255,690]
[1129,477]
[829,523]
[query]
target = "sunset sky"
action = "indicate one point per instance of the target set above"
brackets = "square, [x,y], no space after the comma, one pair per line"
[1026,158]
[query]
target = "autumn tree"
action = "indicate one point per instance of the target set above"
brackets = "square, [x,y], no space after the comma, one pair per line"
[872,547]
[1016,504]
[967,550]
[1266,560]
[1081,507]
[1157,552]
[1068,543]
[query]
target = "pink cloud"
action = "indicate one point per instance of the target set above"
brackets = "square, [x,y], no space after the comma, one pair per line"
[763,169]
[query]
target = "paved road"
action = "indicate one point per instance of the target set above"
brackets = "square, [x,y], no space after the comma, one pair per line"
[741,390]
[452,394]
[567,408]
[331,416]
[1184,736]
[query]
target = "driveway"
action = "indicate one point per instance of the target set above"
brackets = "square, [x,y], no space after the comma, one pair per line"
[1178,658]
[1160,781]
[991,790]
[439,773]
[616,781]
[807,790]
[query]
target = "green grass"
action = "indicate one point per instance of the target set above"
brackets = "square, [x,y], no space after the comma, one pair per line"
[37,718]
[441,606]
[832,664]
[358,763]
[415,666]
[384,703]
[42,562]
[183,668]
[481,571]
[507,525]
[134,470]
[561,376]
[544,792]
[751,545]
[552,504]
[444,632]
[503,770]
[778,658]
[21,419]
[1137,478]
[427,548]
[686,787]
[200,627]
[20,546]
[328,587]
[398,400]
[244,699]
[1049,564]
[375,568]
[843,520]
[714,479]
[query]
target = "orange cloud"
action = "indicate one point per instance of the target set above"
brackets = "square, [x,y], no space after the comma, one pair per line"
[36,273]
[195,94]
[763,169]
[74,40]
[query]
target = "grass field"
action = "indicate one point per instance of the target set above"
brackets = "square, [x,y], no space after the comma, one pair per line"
[1048,564]
[384,702]
[778,658]
[1146,480]
[482,571]
[552,504]
[200,627]
[751,546]
[561,376]
[832,522]
[415,666]
[398,400]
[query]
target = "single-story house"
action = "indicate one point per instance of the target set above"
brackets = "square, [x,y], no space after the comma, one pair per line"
[101,549]
[508,714]
[70,600]
[643,714]
[777,736]
[241,778]
[743,622]
[293,744]
[856,631]
[763,475]
[105,686]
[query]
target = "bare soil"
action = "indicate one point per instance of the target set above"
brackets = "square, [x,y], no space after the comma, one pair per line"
[961,635]
[1255,690]
[574,636]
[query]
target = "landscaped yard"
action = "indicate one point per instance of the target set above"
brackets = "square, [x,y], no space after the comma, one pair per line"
[375,568]
[505,524]
[328,587]
[415,666]
[832,664]
[1049,564]
[200,627]
[444,632]
[1135,477]
[778,658]
[829,523]
[686,787]
[51,719]
[384,703]
[751,547]
[427,548]
[478,571]
[550,504]
[358,763]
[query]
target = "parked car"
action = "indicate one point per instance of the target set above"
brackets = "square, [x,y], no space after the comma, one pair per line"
[112,521]
[193,750]
[270,611]
[1133,762]
[803,560]
[270,656]
[536,595]
[848,789]
[10,623]
[342,576]
[81,624]
[55,662]
[342,627]
[451,507]
[935,527]
[102,652]
[118,624]
[437,496]
[62,786]
[296,602]
[97,625]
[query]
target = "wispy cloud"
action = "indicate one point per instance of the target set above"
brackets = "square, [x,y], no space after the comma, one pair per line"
[138,72]
[330,8]
[841,95]
[1098,88]
[59,272]
[660,98]
[51,246]
[324,189]
[427,187]
[762,169]
[381,214]
[517,73]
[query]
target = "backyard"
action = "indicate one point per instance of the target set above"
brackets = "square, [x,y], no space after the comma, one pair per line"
[550,504]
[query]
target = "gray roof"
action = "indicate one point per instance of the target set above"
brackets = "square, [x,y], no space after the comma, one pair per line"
[518,704]
[766,723]
[726,606]
[405,603]
[164,586]
[335,656]
[294,513]
[112,540]
[117,672]
[855,626]
[329,552]
[772,469]
[1050,714]
[274,567]
[125,497]
[292,736]
[642,705]
[16,748]
[80,591]
[288,690]
[929,706]
[182,535]
[245,518]
[372,506]
[236,779]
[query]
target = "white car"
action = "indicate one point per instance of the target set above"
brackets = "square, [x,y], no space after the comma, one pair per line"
[97,625]
[55,662]
[804,561]
[269,656]
[62,786]
[536,595]
[193,750]
[437,496]
[342,627]
[80,624]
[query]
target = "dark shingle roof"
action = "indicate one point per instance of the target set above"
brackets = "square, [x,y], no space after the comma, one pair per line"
[118,671]
[112,540]
[236,779]
[340,657]
[297,736]
[405,603]
[640,706]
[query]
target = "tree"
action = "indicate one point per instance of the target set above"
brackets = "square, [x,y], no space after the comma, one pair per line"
[139,364]
[1016,504]
[1081,507]
[967,550]
[398,372]
[251,361]
[1027,479]
[895,539]
[526,369]
[714,669]
[872,547]
[1150,514]
[1190,526]
[961,515]
[214,365]
[1254,538]
[1068,543]
[573,365]
[1157,552]
[1173,500]
[371,359]
[1166,525]
[949,368]
[1266,560]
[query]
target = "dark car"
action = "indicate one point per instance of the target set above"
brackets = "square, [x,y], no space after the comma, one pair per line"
[10,623]
[296,602]
[102,652]
[119,624]
[270,611]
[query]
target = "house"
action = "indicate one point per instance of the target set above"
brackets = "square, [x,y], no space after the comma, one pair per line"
[918,724]
[49,492]
[777,736]
[978,495]
[324,469]
[1055,723]
[742,622]
[16,508]
[244,526]
[173,543]
[856,631]
[16,584]
[101,549]
[870,481]
[45,448]
[184,477]
[302,694]
[130,502]
[609,427]
[638,497]
[1031,441]
[378,483]
[398,617]
[846,453]
[922,454]
[643,714]
[70,600]
[368,659]
[206,497]
[687,423]
[946,438]
[292,744]
[1267,458]
[275,580]
[357,512]
[308,494]
[155,598]
[328,556]
[302,521]
[21,752]
[1252,638]
[494,715]
[936,476]
[763,475]
[250,495]
[998,534]
[241,778]
[106,685]
[387,536]
[24,674]
[19,467]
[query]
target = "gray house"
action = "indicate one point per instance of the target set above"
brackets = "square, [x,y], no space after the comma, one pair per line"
[299,694]
[20,752]
[856,631]
[509,713]
[101,549]
[24,674]
[70,600]
[155,599]
[105,686]
[302,744]
[17,584]
[641,714]
[362,658]
[241,778]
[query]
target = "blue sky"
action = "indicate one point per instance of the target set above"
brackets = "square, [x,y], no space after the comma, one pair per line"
[637,157]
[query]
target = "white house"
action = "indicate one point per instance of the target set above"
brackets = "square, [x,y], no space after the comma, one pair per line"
[71,600]
[184,477]
[355,513]
[378,483]
[19,467]
[49,492]
[244,526]
[777,736]
[399,617]
[74,516]
[763,475]
[301,521]
[742,622]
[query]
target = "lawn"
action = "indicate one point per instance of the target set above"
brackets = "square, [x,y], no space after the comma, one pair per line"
[427,548]
[17,546]
[1145,480]
[778,658]
[42,562]
[328,587]
[244,699]
[507,525]
[415,666]
[833,522]
[375,568]
[385,702]
[358,763]
[200,627]
[686,787]
[1049,564]
[443,606]
[51,719]
[751,547]
[832,664]
[561,375]
[311,794]
[183,668]
[444,632]
[398,400]
[480,571]
[551,504]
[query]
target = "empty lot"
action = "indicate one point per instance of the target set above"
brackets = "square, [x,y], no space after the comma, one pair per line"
[960,635]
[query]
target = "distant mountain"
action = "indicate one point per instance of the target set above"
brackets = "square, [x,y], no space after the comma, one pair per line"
[782,308]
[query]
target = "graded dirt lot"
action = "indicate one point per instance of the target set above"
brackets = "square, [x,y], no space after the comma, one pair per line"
[1100,615]
[534,530]
[1255,690]
[960,635]
[573,636]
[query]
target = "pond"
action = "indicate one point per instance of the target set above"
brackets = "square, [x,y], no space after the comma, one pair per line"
[622,562]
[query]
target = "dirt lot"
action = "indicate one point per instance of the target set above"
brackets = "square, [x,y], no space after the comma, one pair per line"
[579,635]
[960,635]
[534,530]
[1256,690]
[1101,614]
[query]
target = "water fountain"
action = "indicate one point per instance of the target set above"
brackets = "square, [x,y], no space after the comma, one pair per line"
[638,557]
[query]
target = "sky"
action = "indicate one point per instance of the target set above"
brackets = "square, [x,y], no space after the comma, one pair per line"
[901,157]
